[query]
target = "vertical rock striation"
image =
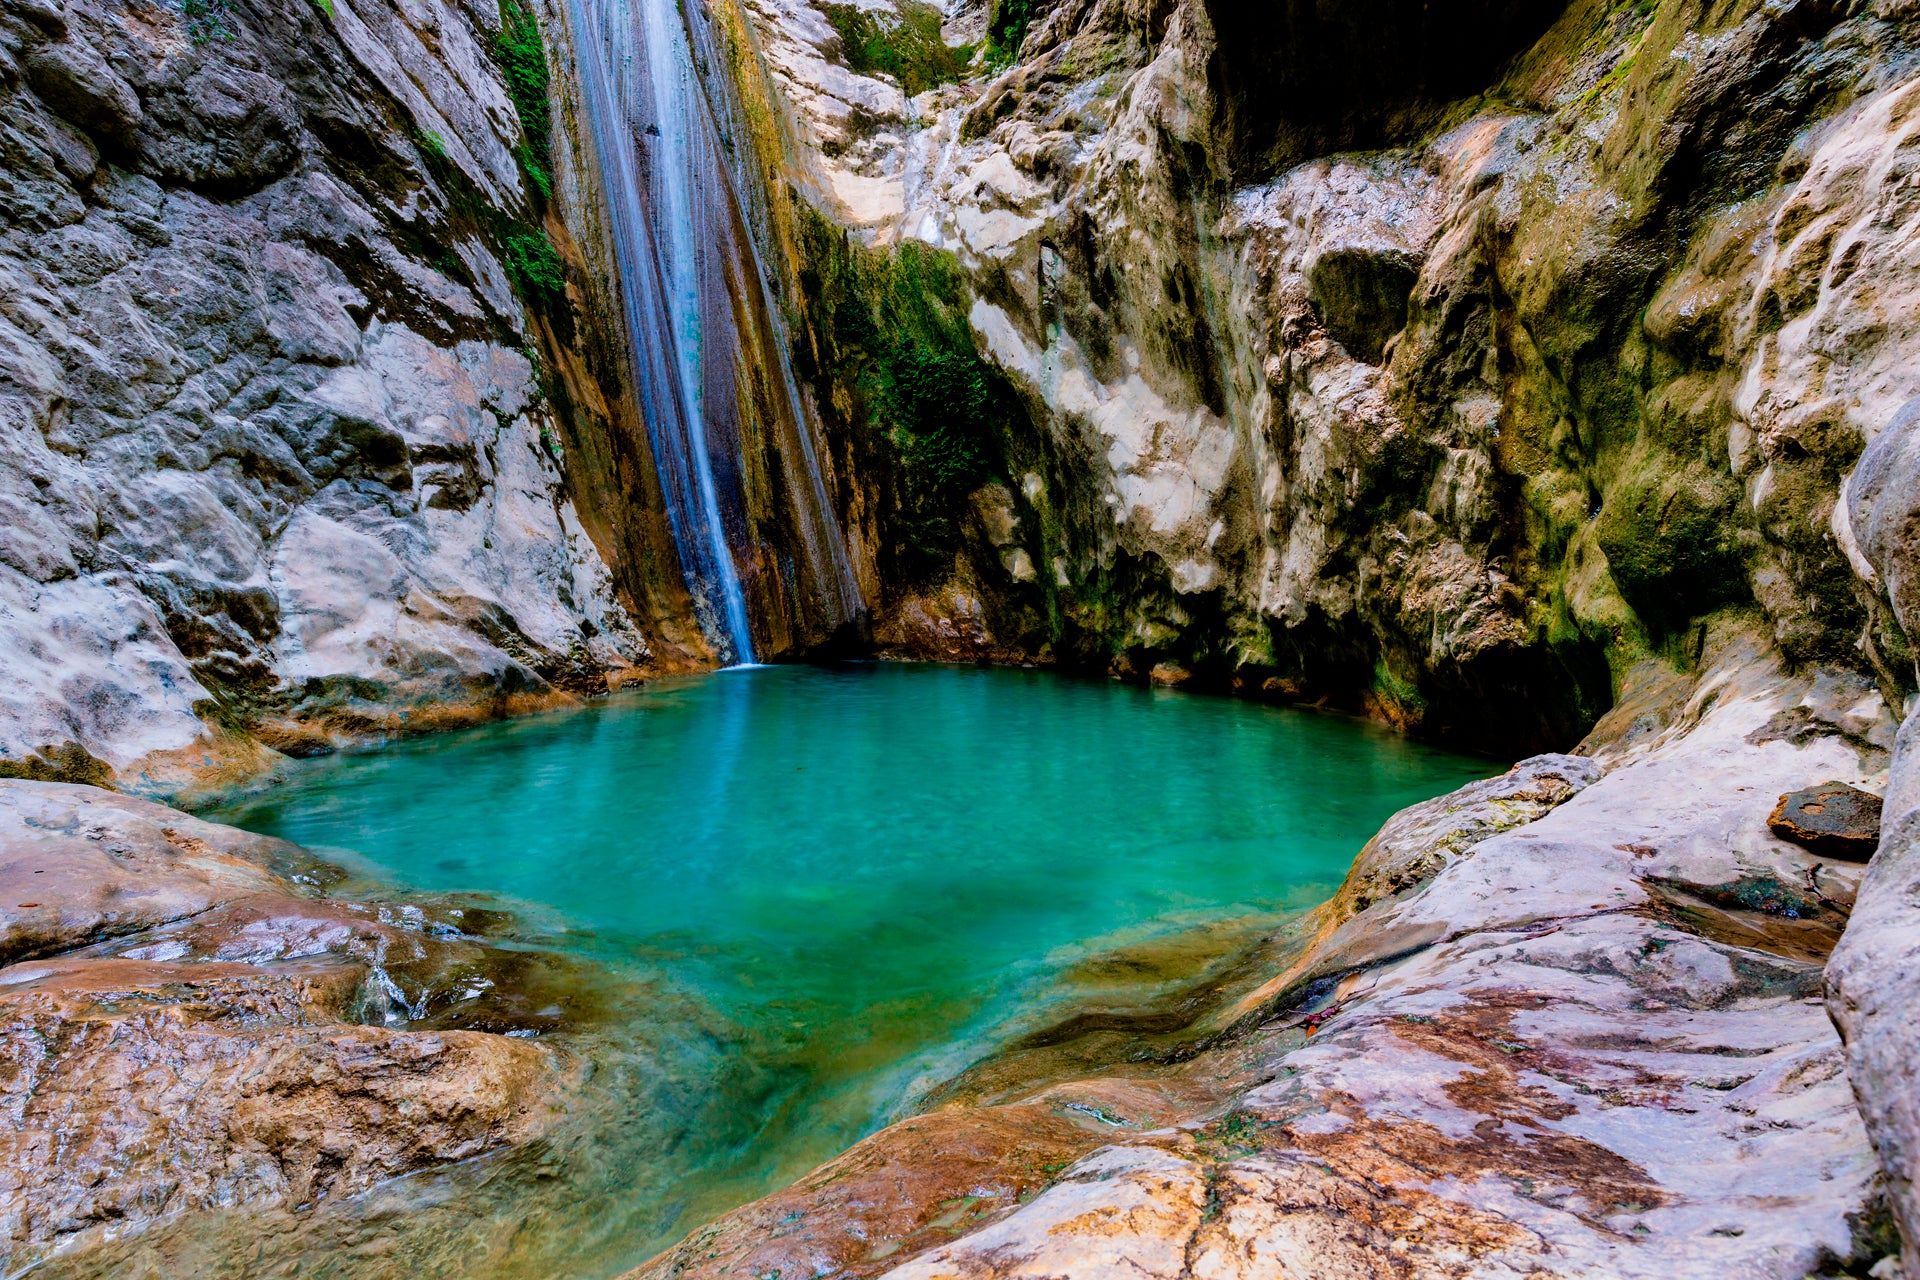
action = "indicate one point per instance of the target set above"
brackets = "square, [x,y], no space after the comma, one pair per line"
[1444,365]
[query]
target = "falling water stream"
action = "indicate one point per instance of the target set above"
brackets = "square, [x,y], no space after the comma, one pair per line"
[708,349]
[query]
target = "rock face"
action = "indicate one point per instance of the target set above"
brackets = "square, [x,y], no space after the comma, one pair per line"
[1320,386]
[278,463]
[1557,1023]
[208,1038]
[1875,974]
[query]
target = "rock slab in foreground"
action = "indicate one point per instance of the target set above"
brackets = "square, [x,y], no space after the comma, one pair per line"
[207,1050]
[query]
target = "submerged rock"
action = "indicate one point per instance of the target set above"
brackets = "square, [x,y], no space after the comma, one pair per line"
[1833,819]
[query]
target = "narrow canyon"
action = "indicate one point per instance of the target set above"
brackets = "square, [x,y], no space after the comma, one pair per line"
[1043,638]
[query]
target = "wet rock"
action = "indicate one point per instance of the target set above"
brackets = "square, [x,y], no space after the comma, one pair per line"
[1833,820]
[222,1043]
[78,864]
[137,1089]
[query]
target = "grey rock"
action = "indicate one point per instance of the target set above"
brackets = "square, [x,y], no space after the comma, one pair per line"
[221,352]
[78,84]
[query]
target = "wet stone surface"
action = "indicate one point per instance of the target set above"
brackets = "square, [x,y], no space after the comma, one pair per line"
[186,1029]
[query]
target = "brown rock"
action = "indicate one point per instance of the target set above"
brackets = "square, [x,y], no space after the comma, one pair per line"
[78,864]
[1832,819]
[207,1047]
[137,1088]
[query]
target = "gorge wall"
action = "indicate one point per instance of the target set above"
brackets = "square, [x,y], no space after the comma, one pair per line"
[1441,367]
[319,423]
[283,440]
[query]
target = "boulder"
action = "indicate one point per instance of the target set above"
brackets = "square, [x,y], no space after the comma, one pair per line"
[78,864]
[223,1038]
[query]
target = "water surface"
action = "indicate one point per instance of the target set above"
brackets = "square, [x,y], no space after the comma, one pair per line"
[835,888]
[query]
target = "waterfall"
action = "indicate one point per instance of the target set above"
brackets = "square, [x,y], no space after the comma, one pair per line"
[704,328]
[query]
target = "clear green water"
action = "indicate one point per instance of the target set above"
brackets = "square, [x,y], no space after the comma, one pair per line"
[837,887]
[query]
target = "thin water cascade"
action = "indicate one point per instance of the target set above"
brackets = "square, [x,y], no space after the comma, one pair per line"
[708,350]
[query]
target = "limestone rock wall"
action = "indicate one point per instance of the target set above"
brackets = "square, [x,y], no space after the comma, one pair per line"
[285,457]
[1451,403]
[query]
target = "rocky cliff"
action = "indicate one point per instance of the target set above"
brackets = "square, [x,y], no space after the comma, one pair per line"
[302,439]
[1515,372]
[1440,365]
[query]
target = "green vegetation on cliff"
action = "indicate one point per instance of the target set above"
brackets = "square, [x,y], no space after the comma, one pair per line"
[909,49]
[523,62]
[535,266]
[1007,23]
[895,366]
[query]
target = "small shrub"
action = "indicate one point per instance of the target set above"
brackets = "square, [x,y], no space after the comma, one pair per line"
[206,20]
[523,63]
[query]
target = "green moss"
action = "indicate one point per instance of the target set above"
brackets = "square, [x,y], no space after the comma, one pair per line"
[909,49]
[431,143]
[1672,540]
[894,357]
[1397,692]
[325,7]
[67,762]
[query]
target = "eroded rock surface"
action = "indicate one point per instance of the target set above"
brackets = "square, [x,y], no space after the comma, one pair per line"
[1447,413]
[224,1040]
[1874,979]
[276,469]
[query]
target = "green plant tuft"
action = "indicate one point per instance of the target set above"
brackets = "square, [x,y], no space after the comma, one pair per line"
[325,7]
[941,402]
[431,143]
[535,267]
[523,63]
[896,359]
[537,175]
[206,20]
